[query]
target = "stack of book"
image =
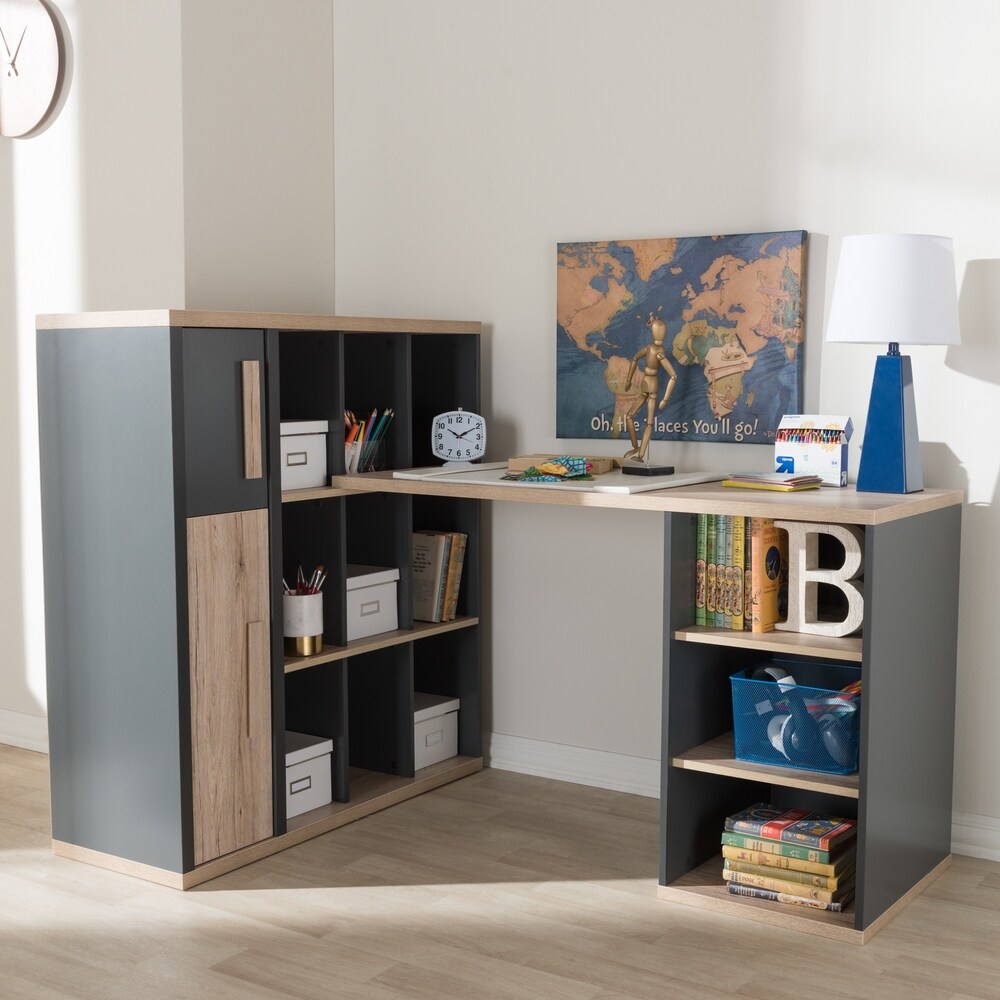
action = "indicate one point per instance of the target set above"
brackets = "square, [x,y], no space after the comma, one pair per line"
[438,559]
[790,856]
[741,573]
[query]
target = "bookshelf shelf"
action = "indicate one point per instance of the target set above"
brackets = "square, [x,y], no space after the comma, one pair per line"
[847,648]
[703,887]
[717,757]
[358,647]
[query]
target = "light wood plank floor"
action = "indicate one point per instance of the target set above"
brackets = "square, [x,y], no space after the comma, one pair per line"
[499,886]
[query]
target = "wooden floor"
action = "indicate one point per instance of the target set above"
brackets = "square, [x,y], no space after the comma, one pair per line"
[498,886]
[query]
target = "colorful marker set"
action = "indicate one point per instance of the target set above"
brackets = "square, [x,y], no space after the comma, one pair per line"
[363,437]
[811,435]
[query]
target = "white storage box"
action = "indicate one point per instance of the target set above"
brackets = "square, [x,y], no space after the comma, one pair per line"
[435,728]
[371,600]
[307,772]
[303,453]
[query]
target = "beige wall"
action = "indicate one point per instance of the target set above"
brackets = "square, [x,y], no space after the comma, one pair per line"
[192,165]
[468,138]
[485,133]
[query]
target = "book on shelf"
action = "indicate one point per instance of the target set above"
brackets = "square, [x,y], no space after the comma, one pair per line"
[728,599]
[739,564]
[430,551]
[710,570]
[720,569]
[788,874]
[769,574]
[701,540]
[438,558]
[793,826]
[790,886]
[453,582]
[747,577]
[736,889]
[784,482]
[741,847]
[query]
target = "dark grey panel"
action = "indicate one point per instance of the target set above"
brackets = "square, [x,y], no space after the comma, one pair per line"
[108,520]
[213,421]
[908,706]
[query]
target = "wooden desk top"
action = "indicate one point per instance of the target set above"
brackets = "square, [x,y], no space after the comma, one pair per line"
[835,506]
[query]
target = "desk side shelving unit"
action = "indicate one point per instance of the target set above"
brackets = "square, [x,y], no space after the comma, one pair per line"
[901,794]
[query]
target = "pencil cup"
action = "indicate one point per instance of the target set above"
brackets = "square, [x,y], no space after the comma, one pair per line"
[303,624]
[364,457]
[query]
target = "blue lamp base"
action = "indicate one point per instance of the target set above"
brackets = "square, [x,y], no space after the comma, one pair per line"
[890,456]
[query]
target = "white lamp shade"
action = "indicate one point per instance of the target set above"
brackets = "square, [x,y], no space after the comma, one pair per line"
[895,288]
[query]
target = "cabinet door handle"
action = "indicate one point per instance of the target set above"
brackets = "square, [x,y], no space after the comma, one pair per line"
[256,654]
[253,463]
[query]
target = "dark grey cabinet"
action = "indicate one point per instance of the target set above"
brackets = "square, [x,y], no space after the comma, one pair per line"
[165,538]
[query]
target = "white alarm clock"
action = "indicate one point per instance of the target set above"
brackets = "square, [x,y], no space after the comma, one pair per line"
[458,436]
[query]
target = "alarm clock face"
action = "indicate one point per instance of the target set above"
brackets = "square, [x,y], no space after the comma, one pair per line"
[458,436]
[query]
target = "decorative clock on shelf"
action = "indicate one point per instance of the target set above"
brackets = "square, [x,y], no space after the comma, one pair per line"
[458,436]
[33,59]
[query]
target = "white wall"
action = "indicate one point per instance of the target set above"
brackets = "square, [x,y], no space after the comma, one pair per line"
[191,165]
[472,136]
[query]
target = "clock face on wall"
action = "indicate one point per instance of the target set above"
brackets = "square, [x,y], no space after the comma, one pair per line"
[458,436]
[32,66]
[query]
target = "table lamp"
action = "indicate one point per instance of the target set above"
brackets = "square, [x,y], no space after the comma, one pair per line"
[895,289]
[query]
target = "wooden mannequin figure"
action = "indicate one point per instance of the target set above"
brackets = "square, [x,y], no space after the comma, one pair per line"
[655,359]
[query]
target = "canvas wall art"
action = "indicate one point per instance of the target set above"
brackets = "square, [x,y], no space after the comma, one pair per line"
[733,309]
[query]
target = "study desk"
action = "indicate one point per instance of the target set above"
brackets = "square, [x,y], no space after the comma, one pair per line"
[902,792]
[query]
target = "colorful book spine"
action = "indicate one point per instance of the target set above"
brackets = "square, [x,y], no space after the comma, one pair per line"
[831,882]
[770,860]
[794,826]
[747,578]
[456,561]
[782,897]
[751,843]
[788,886]
[720,569]
[728,603]
[769,548]
[710,570]
[739,558]
[701,540]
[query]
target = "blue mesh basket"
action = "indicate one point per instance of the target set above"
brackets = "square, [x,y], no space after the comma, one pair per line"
[811,728]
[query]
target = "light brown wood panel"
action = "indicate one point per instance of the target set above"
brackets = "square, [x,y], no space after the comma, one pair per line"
[228,628]
[253,462]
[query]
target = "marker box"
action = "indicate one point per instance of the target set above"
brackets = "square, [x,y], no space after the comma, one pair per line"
[813,444]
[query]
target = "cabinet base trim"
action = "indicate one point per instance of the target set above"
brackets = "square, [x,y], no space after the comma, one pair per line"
[381,792]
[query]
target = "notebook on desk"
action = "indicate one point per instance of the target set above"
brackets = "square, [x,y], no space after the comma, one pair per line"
[492,474]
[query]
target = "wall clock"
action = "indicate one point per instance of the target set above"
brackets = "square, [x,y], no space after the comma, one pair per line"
[458,436]
[32,66]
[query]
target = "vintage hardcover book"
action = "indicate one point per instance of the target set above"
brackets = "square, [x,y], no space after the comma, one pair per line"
[730,600]
[769,554]
[720,569]
[795,851]
[767,860]
[710,570]
[791,886]
[747,578]
[793,826]
[456,561]
[429,562]
[788,874]
[701,541]
[739,559]
[783,897]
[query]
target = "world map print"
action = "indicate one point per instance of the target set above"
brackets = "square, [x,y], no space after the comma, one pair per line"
[733,309]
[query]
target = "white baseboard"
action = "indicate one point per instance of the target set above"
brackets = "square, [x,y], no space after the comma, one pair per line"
[971,835]
[975,836]
[28,731]
[621,772]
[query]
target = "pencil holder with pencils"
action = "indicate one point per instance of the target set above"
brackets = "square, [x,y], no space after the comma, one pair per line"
[303,624]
